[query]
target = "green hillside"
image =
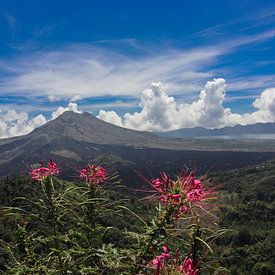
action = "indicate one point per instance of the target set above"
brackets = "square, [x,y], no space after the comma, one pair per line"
[248,209]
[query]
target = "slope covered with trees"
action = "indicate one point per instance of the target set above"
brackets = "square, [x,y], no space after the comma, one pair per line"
[248,210]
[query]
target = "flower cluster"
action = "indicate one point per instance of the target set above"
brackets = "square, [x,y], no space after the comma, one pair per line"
[165,262]
[93,174]
[193,188]
[188,267]
[159,261]
[40,173]
[179,193]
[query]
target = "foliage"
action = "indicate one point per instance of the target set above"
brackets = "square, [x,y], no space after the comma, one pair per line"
[248,211]
[61,227]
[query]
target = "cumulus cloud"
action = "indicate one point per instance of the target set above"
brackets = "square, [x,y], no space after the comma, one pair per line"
[265,109]
[160,112]
[265,104]
[111,117]
[14,123]
[71,107]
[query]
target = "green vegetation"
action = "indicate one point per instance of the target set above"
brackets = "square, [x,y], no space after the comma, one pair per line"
[247,209]
[53,226]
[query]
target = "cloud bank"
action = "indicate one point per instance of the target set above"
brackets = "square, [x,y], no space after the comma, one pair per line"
[160,112]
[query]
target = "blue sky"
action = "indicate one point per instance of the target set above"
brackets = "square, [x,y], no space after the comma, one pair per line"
[102,55]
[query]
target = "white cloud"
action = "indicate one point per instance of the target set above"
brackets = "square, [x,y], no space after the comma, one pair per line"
[209,111]
[56,98]
[104,68]
[82,71]
[71,107]
[160,112]
[111,117]
[78,73]
[13,123]
[265,105]
[53,98]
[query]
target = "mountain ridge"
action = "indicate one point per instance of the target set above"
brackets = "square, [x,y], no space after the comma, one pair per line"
[253,129]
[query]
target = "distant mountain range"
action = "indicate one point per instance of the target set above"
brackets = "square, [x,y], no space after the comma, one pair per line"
[75,139]
[238,131]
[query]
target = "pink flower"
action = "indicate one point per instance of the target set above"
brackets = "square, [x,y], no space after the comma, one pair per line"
[188,267]
[192,188]
[194,195]
[53,168]
[165,255]
[176,199]
[39,173]
[157,184]
[162,183]
[156,261]
[159,261]
[184,209]
[197,184]
[42,172]
[172,266]
[181,194]
[93,174]
[174,192]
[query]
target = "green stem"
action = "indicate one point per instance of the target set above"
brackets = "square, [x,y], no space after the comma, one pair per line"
[52,219]
[91,206]
[57,247]
[196,245]
[162,223]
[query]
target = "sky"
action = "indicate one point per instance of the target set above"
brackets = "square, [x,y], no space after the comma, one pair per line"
[145,65]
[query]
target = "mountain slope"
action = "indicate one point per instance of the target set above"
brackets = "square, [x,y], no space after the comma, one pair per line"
[72,139]
[71,129]
[85,127]
[75,139]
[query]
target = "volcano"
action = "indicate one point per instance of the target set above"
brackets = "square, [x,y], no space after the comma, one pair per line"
[76,139]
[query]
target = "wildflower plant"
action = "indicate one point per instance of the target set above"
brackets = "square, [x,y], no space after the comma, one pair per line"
[67,227]
[183,204]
